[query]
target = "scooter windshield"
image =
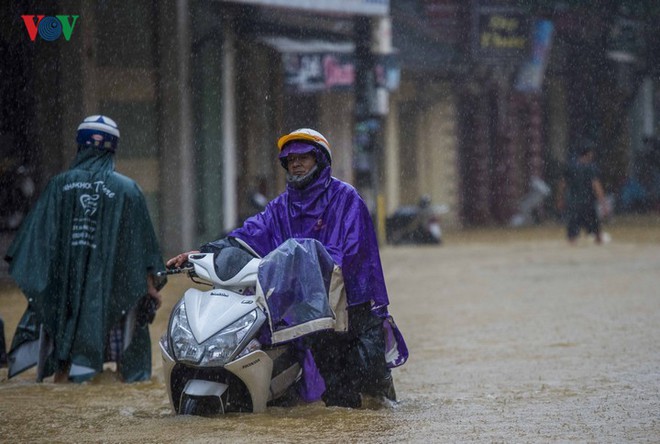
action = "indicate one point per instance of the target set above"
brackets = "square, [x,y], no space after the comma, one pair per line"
[295,279]
[229,261]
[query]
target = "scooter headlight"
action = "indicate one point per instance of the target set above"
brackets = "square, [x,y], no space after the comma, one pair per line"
[218,349]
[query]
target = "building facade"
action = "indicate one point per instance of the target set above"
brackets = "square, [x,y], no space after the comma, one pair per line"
[465,102]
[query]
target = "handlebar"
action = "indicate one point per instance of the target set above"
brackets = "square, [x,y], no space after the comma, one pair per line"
[187,268]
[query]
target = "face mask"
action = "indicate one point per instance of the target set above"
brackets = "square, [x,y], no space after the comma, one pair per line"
[300,182]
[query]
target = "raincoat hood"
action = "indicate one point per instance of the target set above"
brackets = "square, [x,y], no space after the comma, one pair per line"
[322,161]
[95,161]
[296,147]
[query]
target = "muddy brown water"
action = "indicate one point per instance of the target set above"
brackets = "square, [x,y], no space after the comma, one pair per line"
[514,336]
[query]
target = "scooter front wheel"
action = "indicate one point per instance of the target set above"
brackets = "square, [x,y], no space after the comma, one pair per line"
[200,405]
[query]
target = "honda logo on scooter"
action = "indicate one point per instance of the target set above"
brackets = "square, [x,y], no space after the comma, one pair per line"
[250,364]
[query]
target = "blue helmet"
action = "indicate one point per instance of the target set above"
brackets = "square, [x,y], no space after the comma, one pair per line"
[99,132]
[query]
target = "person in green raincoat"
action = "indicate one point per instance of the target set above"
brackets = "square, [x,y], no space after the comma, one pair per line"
[86,258]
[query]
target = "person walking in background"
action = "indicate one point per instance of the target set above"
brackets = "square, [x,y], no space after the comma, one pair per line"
[86,258]
[581,194]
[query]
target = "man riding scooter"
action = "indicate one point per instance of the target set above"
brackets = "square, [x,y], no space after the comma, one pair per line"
[318,206]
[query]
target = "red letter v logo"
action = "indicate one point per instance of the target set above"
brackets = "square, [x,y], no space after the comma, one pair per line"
[31,25]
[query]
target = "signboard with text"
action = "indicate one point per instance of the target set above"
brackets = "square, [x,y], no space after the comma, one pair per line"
[312,72]
[500,34]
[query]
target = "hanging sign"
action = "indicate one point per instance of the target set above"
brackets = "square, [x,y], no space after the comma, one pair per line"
[500,34]
[312,72]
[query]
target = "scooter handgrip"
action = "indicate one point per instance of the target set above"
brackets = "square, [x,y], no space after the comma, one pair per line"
[173,271]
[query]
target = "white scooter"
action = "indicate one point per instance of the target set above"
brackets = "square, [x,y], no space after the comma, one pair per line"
[222,351]
[212,359]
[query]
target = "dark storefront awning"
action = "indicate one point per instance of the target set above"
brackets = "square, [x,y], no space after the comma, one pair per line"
[349,7]
[289,45]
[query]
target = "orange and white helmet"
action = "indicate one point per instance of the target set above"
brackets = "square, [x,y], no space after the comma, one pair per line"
[304,135]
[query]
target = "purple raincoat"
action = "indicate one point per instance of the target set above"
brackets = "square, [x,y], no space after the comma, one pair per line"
[332,212]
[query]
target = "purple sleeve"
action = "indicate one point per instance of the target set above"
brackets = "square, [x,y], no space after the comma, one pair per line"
[361,265]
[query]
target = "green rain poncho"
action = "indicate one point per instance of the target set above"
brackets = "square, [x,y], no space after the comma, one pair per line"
[81,258]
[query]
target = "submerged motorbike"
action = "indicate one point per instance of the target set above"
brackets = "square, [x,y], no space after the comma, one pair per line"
[416,224]
[223,351]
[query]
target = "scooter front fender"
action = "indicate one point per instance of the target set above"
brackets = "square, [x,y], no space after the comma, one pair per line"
[255,370]
[168,365]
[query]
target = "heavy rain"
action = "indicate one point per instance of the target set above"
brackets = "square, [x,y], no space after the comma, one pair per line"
[458,122]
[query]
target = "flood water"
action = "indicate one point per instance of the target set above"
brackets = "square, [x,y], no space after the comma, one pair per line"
[514,336]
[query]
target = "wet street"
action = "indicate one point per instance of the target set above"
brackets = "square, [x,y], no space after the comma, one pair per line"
[514,336]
